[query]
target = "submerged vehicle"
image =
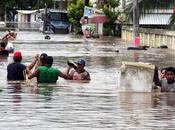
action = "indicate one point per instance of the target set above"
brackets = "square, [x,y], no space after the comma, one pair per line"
[58,21]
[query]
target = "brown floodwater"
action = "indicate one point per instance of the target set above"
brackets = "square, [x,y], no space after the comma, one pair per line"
[94,105]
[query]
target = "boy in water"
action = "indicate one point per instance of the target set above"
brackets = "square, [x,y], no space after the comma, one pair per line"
[167,84]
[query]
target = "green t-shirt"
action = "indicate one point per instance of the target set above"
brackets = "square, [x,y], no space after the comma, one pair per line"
[47,74]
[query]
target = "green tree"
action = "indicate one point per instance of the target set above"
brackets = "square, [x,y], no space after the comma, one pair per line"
[5,5]
[13,5]
[76,9]
[112,15]
[49,3]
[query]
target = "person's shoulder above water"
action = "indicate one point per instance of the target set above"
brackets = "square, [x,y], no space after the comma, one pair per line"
[15,70]
[168,83]
[48,68]
[47,73]
[79,72]
[167,87]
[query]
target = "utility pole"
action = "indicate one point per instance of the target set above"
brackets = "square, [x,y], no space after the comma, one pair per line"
[5,16]
[38,4]
[45,19]
[136,39]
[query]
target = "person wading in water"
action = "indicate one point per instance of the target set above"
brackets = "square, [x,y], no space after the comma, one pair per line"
[46,73]
[166,84]
[15,70]
[78,73]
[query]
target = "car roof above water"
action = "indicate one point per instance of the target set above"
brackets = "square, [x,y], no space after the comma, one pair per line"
[59,11]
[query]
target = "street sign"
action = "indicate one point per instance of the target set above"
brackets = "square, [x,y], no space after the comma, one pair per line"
[89,12]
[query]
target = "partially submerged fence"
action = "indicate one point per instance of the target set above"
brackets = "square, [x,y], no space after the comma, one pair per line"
[150,37]
[22,26]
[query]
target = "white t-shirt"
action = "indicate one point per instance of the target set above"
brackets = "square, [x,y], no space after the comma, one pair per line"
[165,87]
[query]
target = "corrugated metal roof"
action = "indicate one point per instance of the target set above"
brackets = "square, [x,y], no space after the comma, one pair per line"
[155,19]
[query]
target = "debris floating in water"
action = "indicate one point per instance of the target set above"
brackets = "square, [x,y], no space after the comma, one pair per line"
[47,37]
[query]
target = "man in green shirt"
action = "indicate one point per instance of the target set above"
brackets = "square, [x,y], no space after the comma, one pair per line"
[46,73]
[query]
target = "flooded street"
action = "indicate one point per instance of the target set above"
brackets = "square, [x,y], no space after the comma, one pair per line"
[83,106]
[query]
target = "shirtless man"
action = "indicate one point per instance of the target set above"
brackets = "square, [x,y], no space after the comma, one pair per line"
[79,73]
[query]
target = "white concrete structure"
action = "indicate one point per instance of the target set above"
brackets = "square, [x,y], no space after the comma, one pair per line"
[25,16]
[136,77]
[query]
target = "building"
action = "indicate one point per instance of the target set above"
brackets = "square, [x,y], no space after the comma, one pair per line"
[156,19]
[29,19]
[28,16]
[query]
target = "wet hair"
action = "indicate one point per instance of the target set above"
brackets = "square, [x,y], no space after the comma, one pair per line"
[17,59]
[85,17]
[42,57]
[48,60]
[170,69]
[3,44]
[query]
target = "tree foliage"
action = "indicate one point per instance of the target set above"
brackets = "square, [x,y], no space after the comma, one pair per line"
[13,5]
[112,15]
[76,9]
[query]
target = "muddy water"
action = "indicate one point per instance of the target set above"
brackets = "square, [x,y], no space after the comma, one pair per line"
[93,105]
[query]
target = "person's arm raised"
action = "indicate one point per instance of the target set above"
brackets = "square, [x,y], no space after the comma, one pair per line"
[156,77]
[33,74]
[68,70]
[63,75]
[33,62]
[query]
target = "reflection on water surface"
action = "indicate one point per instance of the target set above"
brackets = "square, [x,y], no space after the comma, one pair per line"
[93,105]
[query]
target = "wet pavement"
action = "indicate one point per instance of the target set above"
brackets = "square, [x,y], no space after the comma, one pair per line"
[94,105]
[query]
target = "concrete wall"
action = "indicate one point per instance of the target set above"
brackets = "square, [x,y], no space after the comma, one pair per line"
[150,37]
[33,18]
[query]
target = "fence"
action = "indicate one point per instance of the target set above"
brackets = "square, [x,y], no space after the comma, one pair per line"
[23,26]
[150,37]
